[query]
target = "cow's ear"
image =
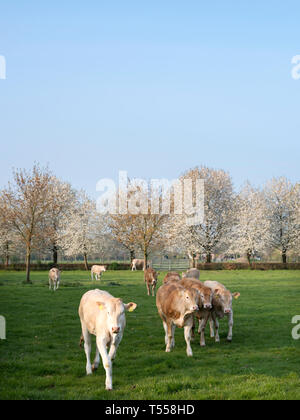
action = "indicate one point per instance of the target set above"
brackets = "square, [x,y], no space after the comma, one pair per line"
[216,294]
[101,305]
[130,306]
[236,295]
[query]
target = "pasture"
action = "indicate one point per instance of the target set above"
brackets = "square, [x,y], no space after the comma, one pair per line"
[41,359]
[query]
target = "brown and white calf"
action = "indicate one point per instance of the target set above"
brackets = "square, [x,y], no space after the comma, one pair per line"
[97,271]
[54,278]
[172,276]
[192,273]
[102,315]
[151,277]
[137,265]
[222,305]
[176,306]
[205,300]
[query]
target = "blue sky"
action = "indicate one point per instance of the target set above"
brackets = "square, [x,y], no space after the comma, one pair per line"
[152,87]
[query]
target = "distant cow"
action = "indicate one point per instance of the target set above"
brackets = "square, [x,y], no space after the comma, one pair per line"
[97,270]
[192,273]
[137,265]
[103,316]
[176,306]
[205,299]
[222,305]
[151,280]
[54,278]
[172,276]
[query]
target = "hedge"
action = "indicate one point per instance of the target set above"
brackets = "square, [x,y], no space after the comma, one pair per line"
[126,266]
[63,266]
[246,266]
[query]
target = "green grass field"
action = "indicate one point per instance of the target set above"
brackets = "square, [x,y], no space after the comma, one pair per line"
[41,359]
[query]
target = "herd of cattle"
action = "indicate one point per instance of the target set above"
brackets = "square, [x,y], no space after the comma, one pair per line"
[180,301]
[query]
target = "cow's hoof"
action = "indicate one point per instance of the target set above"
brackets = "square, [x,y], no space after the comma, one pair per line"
[108,389]
[229,340]
[202,345]
[94,368]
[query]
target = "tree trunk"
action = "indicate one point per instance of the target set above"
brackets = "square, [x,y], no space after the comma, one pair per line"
[55,254]
[86,261]
[249,257]
[132,255]
[284,257]
[28,258]
[145,260]
[192,260]
[208,257]
[7,255]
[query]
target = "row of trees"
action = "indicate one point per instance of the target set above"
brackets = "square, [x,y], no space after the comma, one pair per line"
[40,212]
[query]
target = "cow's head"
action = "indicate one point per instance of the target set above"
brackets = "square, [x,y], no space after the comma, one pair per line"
[115,313]
[225,299]
[206,297]
[190,299]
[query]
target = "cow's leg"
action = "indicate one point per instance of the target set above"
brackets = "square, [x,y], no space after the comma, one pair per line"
[166,332]
[106,362]
[57,284]
[97,360]
[87,349]
[173,336]
[202,326]
[92,275]
[193,329]
[187,335]
[114,346]
[169,336]
[230,325]
[153,290]
[148,289]
[49,284]
[216,324]
[211,327]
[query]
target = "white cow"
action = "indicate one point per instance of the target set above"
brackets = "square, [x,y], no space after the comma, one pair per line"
[54,278]
[137,264]
[103,316]
[97,270]
[222,305]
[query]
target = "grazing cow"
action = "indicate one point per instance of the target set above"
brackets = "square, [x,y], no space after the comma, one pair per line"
[205,300]
[137,265]
[192,273]
[176,306]
[172,276]
[222,305]
[151,280]
[97,270]
[103,316]
[54,278]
